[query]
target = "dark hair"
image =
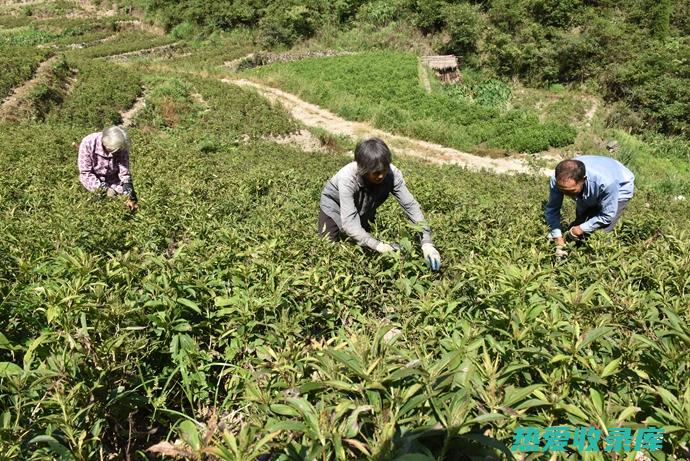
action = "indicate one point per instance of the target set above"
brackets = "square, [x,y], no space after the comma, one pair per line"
[570,169]
[372,155]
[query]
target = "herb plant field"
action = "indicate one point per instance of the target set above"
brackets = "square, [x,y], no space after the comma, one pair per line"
[215,324]
[20,63]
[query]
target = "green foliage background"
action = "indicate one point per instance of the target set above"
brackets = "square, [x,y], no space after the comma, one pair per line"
[636,51]
[383,87]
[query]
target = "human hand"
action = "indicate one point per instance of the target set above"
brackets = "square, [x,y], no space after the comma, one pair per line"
[132,205]
[559,241]
[385,248]
[576,232]
[432,256]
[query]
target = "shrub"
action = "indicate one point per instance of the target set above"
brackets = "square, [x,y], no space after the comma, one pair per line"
[493,93]
[379,13]
[182,31]
[464,25]
[21,63]
[429,14]
[284,23]
[218,299]
[97,99]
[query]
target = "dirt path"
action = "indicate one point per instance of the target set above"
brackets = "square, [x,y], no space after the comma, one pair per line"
[14,100]
[592,110]
[317,117]
[129,115]
[161,50]
[90,10]
[137,24]
[20,3]
[303,139]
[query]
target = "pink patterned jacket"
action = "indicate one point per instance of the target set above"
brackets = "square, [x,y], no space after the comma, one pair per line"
[100,170]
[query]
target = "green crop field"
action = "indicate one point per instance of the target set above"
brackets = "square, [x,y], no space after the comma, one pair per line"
[21,64]
[215,324]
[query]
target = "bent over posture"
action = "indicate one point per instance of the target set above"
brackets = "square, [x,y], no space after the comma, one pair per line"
[601,188]
[104,164]
[350,198]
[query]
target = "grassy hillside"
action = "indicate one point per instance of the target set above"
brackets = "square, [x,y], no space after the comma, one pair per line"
[214,324]
[384,88]
[634,53]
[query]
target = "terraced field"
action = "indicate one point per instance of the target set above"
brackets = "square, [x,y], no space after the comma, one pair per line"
[214,324]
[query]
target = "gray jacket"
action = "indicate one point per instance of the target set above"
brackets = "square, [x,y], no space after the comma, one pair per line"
[352,202]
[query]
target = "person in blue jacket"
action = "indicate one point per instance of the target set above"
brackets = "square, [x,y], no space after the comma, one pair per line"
[601,188]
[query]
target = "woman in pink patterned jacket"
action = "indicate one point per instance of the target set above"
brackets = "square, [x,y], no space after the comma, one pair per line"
[104,164]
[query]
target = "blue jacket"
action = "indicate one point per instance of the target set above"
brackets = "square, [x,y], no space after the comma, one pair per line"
[607,182]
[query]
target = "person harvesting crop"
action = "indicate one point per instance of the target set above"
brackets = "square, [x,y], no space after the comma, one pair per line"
[104,164]
[601,188]
[350,198]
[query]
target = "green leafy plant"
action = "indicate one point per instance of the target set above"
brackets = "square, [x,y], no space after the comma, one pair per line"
[215,323]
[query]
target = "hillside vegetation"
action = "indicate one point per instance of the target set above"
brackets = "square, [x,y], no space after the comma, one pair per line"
[635,53]
[215,324]
[384,87]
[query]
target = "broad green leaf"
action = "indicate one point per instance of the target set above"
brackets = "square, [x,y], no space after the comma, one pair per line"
[10,369]
[5,343]
[597,400]
[413,403]
[54,445]
[611,368]
[292,426]
[593,335]
[641,373]
[531,403]
[342,386]
[627,413]
[669,399]
[486,418]
[559,358]
[490,442]
[29,355]
[190,304]
[374,399]
[403,373]
[352,426]
[189,432]
[513,395]
[284,410]
[220,301]
[309,414]
[349,361]
[575,411]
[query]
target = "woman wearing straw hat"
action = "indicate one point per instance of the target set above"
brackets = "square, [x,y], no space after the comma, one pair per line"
[104,164]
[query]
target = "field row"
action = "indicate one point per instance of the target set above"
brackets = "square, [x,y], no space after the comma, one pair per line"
[217,302]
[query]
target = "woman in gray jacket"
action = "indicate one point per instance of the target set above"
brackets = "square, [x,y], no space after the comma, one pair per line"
[350,198]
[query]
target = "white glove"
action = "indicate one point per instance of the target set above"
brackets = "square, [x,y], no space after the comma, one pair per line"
[432,256]
[384,248]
